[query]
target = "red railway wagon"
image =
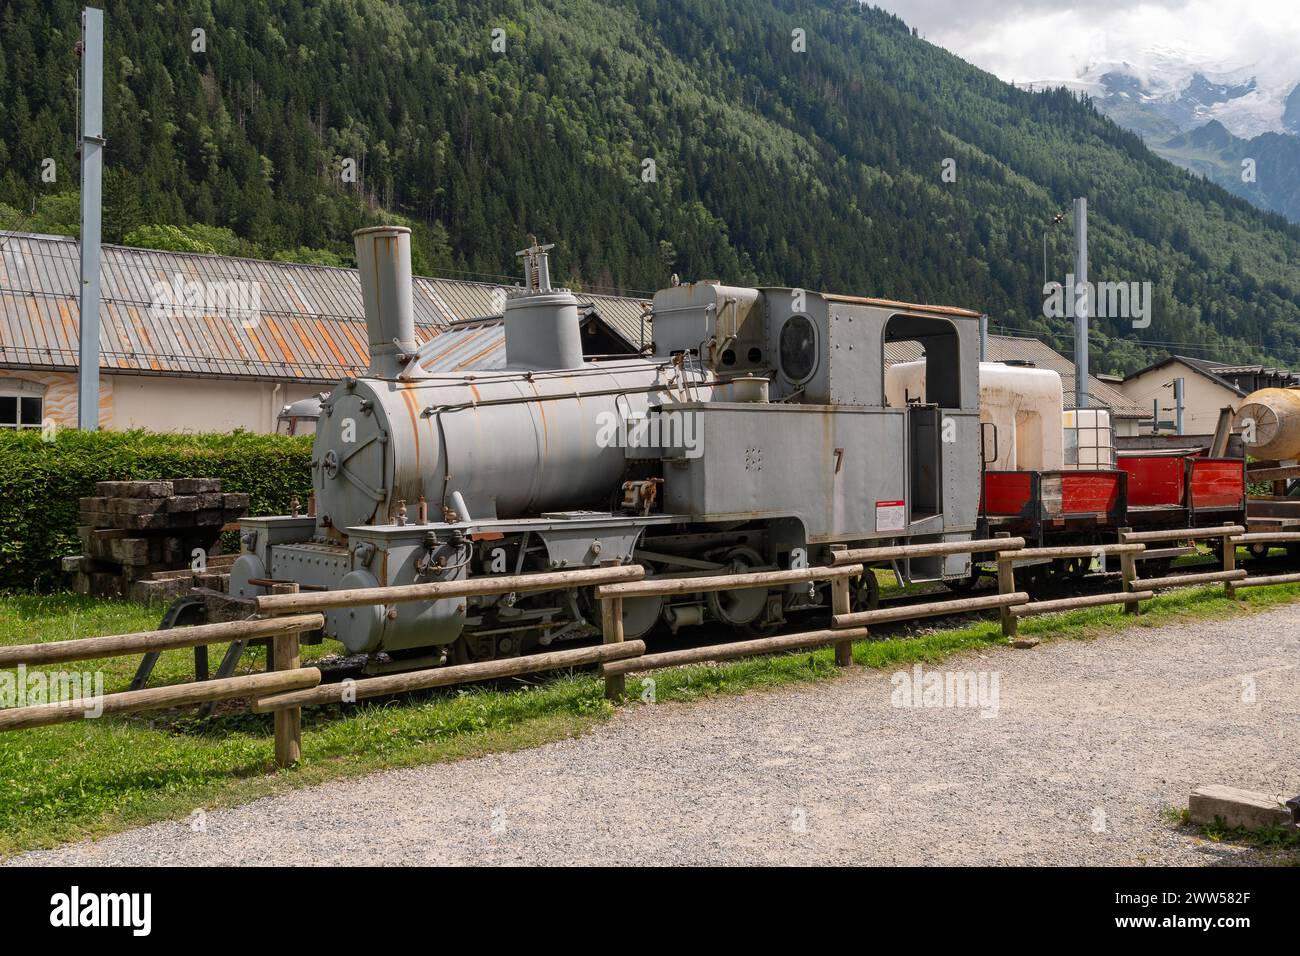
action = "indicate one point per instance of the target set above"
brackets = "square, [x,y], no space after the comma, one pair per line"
[1039,505]
[1148,491]
[1178,490]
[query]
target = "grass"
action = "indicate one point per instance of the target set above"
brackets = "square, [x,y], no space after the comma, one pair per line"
[1280,843]
[90,778]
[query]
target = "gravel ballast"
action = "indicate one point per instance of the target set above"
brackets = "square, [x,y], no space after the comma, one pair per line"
[1073,762]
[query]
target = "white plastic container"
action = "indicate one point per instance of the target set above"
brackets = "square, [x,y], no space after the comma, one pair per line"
[1022,406]
[1089,439]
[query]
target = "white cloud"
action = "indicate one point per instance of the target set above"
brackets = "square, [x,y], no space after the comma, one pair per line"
[1032,40]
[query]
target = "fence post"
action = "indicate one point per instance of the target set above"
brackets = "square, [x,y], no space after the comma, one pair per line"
[1229,561]
[1007,585]
[1128,570]
[611,624]
[841,604]
[286,653]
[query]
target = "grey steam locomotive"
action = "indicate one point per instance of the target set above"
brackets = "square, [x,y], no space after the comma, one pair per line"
[754,434]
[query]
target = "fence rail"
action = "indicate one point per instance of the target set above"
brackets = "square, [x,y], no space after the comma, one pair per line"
[157,698]
[144,642]
[287,614]
[932,549]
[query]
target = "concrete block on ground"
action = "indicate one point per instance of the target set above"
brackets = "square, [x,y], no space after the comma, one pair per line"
[1236,807]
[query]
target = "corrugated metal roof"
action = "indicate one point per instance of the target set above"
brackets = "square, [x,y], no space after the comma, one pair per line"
[477,345]
[308,324]
[1014,348]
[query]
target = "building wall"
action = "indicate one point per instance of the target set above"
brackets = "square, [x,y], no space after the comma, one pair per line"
[61,395]
[1202,398]
[1124,427]
[200,405]
[164,403]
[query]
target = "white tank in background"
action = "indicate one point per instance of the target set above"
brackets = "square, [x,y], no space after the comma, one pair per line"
[1022,404]
[1089,439]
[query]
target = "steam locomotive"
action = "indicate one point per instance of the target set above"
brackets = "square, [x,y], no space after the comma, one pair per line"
[761,429]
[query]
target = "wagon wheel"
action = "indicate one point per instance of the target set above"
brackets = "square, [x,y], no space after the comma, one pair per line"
[1031,577]
[864,591]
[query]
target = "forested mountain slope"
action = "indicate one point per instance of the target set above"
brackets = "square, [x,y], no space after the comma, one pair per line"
[821,168]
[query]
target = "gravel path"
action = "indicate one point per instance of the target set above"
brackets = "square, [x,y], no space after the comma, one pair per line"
[1088,742]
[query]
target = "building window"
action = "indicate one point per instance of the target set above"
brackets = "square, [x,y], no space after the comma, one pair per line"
[20,409]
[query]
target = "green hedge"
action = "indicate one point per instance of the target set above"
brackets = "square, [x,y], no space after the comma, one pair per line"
[41,482]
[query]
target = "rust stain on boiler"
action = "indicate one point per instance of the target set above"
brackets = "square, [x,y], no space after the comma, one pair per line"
[413,412]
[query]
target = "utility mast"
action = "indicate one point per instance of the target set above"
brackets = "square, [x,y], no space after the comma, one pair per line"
[92,170]
[1081,299]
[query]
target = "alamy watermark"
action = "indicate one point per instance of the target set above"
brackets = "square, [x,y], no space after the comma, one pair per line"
[233,299]
[669,430]
[82,690]
[1102,300]
[921,688]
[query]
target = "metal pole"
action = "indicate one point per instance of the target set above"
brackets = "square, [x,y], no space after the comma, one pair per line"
[1178,405]
[92,169]
[984,338]
[1081,303]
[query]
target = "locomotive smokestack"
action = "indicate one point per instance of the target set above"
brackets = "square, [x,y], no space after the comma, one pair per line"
[384,265]
[542,328]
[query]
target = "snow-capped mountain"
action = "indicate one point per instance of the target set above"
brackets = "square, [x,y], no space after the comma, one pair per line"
[1208,115]
[1170,90]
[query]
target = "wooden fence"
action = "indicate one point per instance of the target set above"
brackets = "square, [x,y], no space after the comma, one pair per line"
[286,614]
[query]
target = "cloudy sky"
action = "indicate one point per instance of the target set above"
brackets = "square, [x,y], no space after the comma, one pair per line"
[1027,40]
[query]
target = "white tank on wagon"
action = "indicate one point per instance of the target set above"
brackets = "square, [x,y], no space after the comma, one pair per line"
[1022,404]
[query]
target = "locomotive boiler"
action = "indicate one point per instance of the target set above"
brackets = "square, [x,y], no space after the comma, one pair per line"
[755,433]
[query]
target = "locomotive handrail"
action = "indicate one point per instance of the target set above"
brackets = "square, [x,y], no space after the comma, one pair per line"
[932,549]
[467,587]
[725,582]
[114,645]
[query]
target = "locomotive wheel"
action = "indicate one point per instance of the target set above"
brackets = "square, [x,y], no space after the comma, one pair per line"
[739,608]
[640,614]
